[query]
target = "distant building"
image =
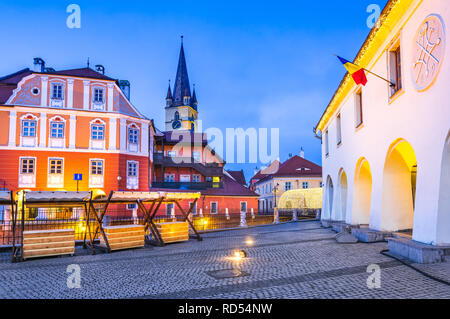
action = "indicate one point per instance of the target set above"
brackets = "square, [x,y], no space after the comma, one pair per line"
[295,173]
[386,148]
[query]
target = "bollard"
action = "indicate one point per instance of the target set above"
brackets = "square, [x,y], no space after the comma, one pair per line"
[243,220]
[276,216]
[227,215]
[252,212]
[294,215]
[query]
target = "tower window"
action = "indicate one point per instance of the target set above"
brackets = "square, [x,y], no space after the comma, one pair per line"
[186,100]
[177,116]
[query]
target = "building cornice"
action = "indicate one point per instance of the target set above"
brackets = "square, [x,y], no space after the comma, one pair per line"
[389,18]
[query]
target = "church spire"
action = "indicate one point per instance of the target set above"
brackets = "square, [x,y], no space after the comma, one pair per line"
[182,87]
[169,98]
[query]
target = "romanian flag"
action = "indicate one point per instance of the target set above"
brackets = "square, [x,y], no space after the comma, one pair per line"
[358,73]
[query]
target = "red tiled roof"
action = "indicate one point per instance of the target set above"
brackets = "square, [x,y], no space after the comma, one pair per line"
[230,188]
[82,72]
[238,176]
[9,83]
[298,166]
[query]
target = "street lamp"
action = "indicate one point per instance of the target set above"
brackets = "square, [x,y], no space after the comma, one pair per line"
[275,195]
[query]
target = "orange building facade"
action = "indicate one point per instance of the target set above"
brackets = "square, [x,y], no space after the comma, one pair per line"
[69,130]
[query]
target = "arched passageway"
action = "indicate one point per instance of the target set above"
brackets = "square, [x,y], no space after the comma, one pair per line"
[399,187]
[342,205]
[362,193]
[443,223]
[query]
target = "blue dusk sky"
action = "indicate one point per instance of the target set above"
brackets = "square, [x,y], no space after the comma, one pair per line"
[259,64]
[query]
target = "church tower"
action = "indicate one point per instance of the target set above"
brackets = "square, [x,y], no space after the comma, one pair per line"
[181,106]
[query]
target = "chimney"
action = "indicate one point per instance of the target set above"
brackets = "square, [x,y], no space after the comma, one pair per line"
[39,65]
[100,69]
[125,87]
[302,153]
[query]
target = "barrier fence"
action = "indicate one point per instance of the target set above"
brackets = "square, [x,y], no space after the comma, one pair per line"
[74,218]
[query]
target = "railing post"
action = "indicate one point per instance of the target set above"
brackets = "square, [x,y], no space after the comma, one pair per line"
[243,219]
[252,212]
[294,215]
[227,214]
[276,216]
[172,214]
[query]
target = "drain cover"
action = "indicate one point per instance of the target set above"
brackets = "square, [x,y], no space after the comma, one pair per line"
[227,273]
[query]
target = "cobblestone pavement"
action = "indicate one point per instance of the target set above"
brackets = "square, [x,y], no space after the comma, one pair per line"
[293,260]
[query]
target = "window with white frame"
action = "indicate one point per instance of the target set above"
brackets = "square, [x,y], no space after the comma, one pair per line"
[97,135]
[169,178]
[305,185]
[169,208]
[131,206]
[29,128]
[197,156]
[193,208]
[214,208]
[338,130]
[27,173]
[96,174]
[358,109]
[287,186]
[58,91]
[132,175]
[57,129]
[98,98]
[133,138]
[55,173]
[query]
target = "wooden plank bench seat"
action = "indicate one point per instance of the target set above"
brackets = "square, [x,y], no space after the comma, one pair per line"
[43,243]
[124,236]
[174,231]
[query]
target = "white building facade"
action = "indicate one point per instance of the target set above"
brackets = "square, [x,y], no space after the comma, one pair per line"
[386,149]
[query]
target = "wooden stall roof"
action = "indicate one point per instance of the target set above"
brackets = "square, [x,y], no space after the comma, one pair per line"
[57,197]
[5,198]
[132,197]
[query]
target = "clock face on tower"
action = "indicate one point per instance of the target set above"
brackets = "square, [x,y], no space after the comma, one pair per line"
[176,125]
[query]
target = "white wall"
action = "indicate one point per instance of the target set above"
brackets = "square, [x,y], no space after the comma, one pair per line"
[420,118]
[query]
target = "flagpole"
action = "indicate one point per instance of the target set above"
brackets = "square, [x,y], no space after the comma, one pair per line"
[391,83]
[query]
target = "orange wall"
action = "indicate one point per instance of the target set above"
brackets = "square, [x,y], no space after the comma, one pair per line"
[4,127]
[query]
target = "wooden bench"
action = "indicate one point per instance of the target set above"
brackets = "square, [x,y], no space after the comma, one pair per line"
[173,232]
[42,243]
[124,236]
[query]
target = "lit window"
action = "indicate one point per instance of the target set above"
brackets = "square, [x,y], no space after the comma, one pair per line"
[97,132]
[56,166]
[99,95]
[172,153]
[358,109]
[132,170]
[28,128]
[305,185]
[96,167]
[27,166]
[133,135]
[57,91]
[57,129]
[287,186]
[213,207]
[338,130]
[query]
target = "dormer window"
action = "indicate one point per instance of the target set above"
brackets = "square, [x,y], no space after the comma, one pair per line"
[98,95]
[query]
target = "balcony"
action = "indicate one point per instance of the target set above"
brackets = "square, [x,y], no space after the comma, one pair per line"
[208,170]
[187,185]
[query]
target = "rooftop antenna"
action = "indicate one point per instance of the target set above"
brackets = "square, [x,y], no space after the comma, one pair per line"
[88,62]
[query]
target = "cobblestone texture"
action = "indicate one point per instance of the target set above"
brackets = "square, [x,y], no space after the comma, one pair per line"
[294,260]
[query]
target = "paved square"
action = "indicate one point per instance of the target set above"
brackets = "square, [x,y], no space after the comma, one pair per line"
[293,260]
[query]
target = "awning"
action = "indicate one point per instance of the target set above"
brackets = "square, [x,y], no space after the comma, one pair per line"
[57,197]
